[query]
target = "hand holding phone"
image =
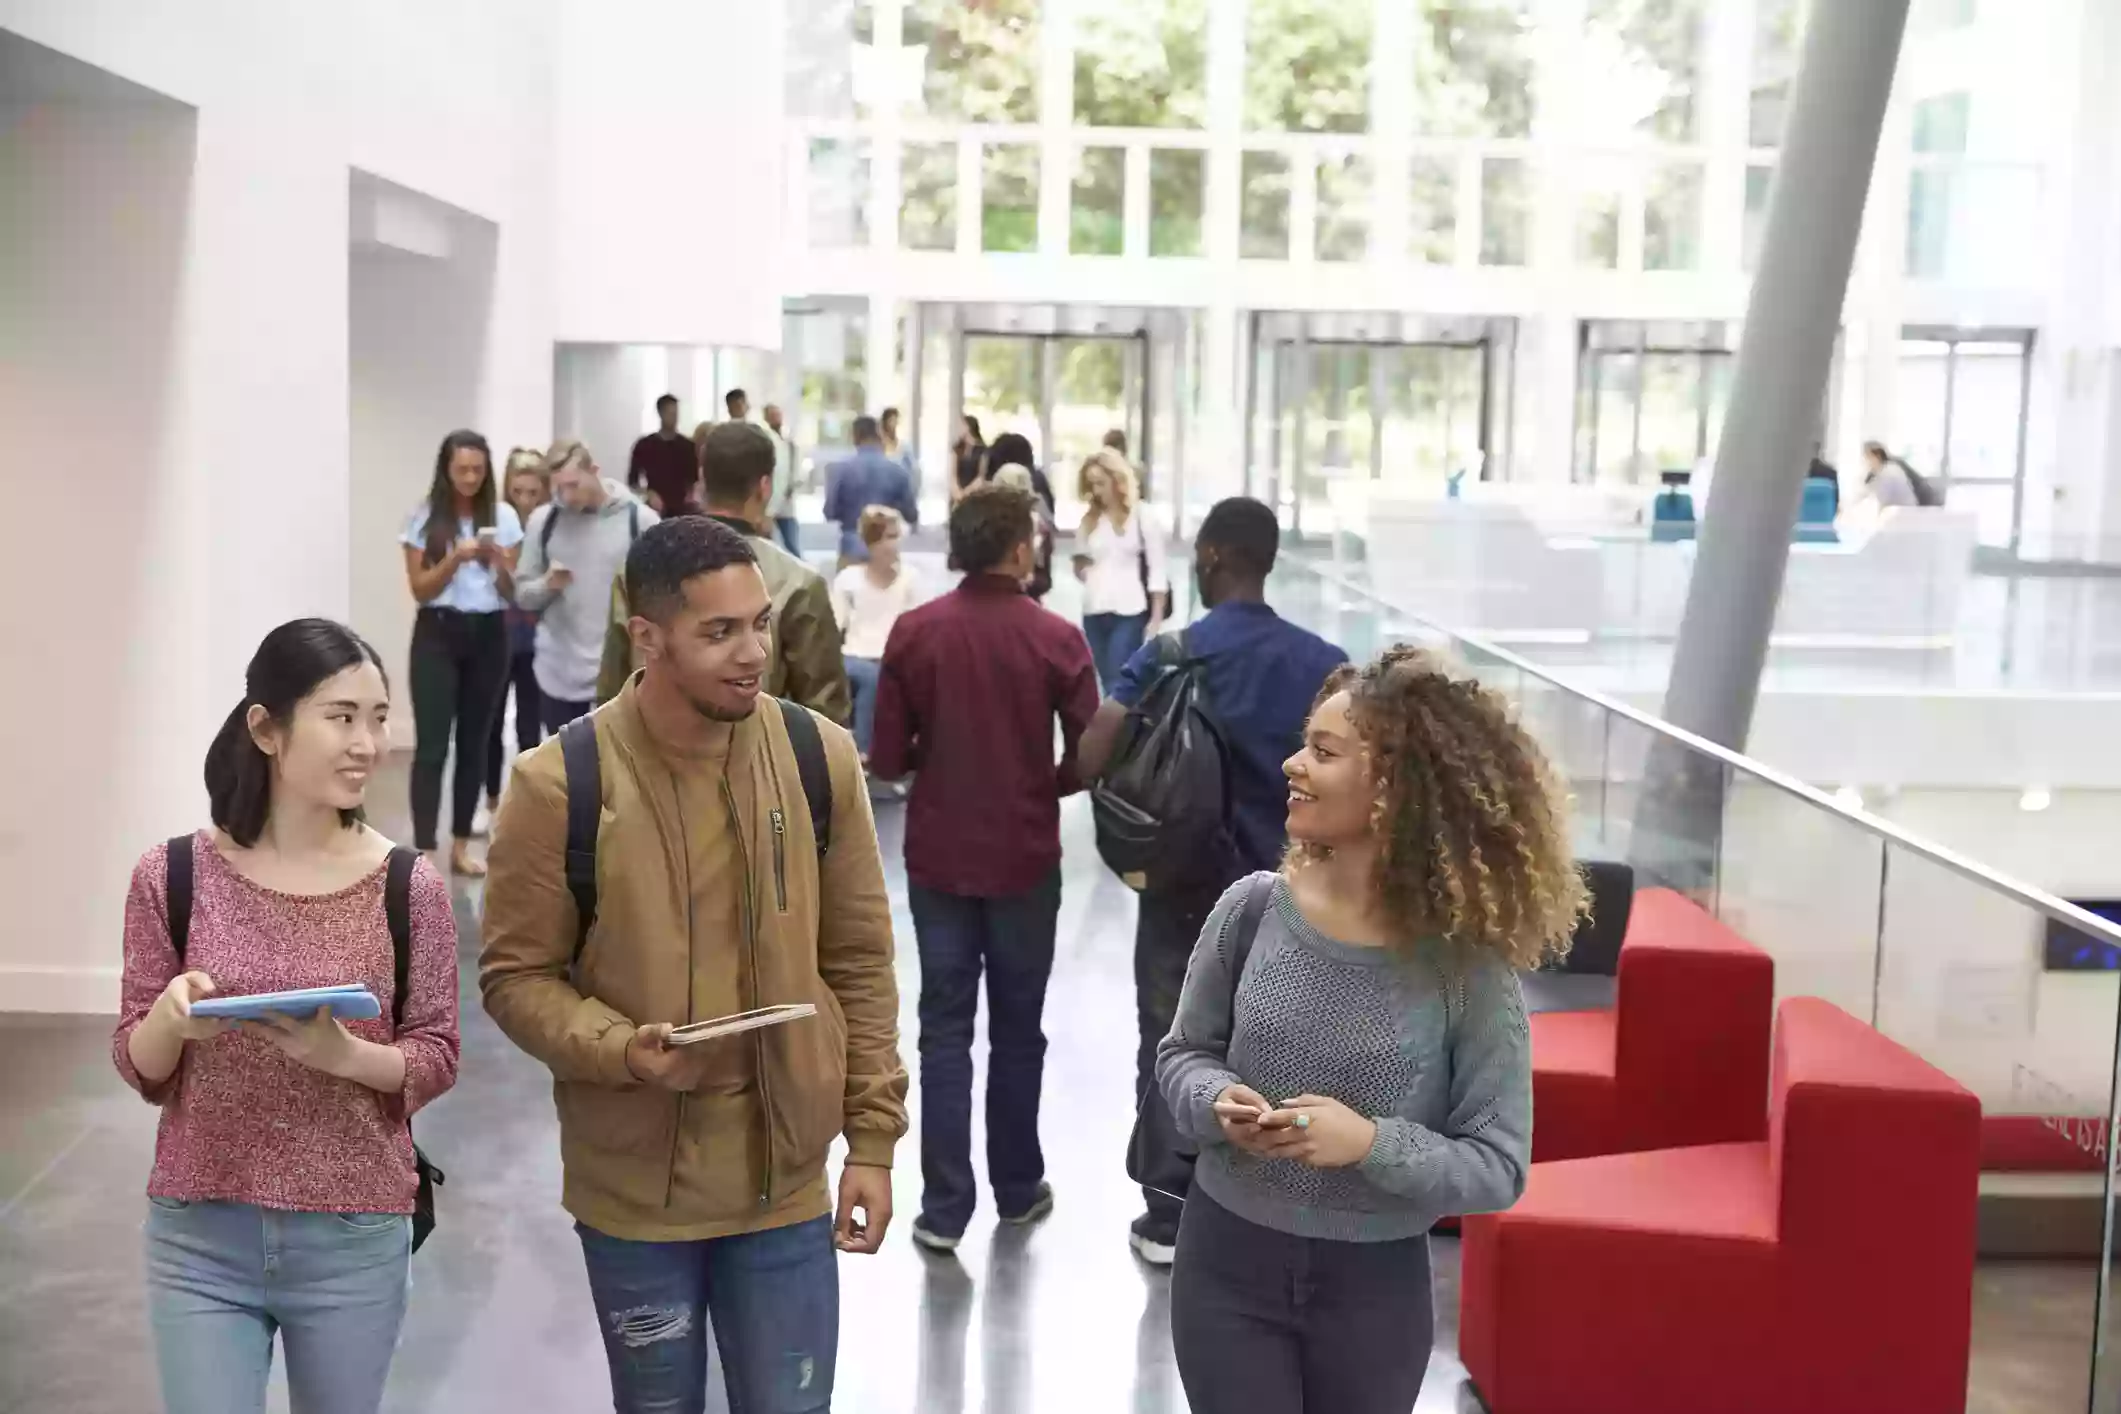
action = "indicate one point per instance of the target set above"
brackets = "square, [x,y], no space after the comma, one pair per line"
[1249,1122]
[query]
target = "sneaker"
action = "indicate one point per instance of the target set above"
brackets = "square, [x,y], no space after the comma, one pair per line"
[482,821]
[928,1237]
[1153,1243]
[1041,1204]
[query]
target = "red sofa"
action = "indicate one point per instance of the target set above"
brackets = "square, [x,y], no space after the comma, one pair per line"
[1681,1059]
[1828,1268]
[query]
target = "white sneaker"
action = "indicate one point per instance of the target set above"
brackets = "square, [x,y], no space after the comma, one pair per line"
[482,821]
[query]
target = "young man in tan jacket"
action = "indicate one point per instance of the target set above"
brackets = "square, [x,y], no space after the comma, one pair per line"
[696,1173]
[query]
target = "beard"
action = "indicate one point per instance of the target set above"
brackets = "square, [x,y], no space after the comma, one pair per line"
[721,714]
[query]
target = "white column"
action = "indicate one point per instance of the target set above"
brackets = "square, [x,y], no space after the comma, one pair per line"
[1391,128]
[1056,116]
[1214,470]
[882,386]
[1547,350]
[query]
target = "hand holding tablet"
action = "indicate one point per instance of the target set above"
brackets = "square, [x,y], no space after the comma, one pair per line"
[742,1021]
[351,1002]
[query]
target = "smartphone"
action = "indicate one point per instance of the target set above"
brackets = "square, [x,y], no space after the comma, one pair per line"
[488,534]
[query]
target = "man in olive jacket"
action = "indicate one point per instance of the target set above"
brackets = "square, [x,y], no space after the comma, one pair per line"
[696,1172]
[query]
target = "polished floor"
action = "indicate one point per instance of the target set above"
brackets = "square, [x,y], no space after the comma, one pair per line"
[1056,1320]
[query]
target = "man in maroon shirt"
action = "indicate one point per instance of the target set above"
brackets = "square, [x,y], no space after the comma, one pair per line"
[970,686]
[666,465]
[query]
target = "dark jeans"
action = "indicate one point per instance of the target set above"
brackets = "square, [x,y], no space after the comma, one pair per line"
[774,1299]
[863,674]
[1113,640]
[1012,940]
[791,533]
[557,712]
[1263,1322]
[523,677]
[1164,934]
[458,665]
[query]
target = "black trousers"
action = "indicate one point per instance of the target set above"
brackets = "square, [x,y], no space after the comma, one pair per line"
[1164,934]
[1266,1323]
[557,712]
[459,663]
[523,677]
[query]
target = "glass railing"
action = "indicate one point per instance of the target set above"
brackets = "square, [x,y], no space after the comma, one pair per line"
[2011,991]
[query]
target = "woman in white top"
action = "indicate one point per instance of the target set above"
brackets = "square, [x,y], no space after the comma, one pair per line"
[867,600]
[1119,557]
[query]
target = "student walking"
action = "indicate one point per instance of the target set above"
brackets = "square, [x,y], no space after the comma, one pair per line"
[526,489]
[573,549]
[867,600]
[732,864]
[459,555]
[283,1180]
[971,687]
[1261,674]
[1119,557]
[868,478]
[1351,1051]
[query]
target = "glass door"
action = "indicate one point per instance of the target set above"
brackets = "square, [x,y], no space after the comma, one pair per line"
[1960,418]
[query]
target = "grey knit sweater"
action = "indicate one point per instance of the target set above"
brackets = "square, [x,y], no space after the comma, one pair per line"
[1430,1042]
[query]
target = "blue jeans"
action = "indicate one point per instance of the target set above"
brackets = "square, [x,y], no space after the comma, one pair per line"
[791,533]
[222,1278]
[774,1299]
[862,675]
[1114,638]
[1012,939]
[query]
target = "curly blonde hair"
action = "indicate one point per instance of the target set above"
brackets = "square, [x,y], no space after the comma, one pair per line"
[1126,486]
[1473,821]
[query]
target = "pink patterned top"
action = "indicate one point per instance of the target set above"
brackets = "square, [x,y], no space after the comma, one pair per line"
[243,1122]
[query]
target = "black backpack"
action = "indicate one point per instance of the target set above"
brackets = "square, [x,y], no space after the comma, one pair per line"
[397,911]
[1162,806]
[585,801]
[1926,492]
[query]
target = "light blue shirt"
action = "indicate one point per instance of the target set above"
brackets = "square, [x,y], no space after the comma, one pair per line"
[472,589]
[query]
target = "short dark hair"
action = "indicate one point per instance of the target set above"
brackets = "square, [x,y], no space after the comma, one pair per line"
[1245,535]
[1010,449]
[734,457]
[1116,439]
[673,551]
[887,415]
[292,661]
[990,522]
[734,396]
[669,398]
[866,430]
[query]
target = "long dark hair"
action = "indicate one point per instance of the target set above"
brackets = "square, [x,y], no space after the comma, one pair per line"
[442,496]
[292,662]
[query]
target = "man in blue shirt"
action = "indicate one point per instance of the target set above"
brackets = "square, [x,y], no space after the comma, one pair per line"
[868,478]
[1262,674]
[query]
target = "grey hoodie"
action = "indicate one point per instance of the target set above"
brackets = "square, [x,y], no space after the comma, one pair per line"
[592,544]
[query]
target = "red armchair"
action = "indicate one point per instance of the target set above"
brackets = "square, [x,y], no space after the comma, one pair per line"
[1828,1268]
[1681,1059]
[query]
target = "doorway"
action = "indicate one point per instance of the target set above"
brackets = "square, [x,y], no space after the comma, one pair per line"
[1959,406]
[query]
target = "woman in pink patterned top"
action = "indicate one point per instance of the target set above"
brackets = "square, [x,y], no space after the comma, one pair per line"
[283,1175]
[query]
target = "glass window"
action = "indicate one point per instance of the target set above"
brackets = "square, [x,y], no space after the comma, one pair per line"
[1653,50]
[839,192]
[1671,218]
[1307,66]
[1141,63]
[1759,185]
[1095,225]
[1263,231]
[981,58]
[1008,216]
[1937,16]
[1778,41]
[1598,227]
[1001,384]
[1505,212]
[1177,183]
[829,347]
[1089,398]
[1432,211]
[928,218]
[1671,412]
[1918,404]
[1987,406]
[1940,123]
[1343,228]
[829,45]
[1929,221]
[1473,68]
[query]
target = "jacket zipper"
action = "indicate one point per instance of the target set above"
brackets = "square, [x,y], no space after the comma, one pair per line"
[780,860]
[677,794]
[758,1042]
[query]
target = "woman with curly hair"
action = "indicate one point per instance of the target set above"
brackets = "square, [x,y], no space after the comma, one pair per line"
[1350,1051]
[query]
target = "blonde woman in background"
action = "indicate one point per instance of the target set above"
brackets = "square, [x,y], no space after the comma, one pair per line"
[1119,557]
[525,487]
[867,600]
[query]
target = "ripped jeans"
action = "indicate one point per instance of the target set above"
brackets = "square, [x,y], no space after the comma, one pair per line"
[774,1300]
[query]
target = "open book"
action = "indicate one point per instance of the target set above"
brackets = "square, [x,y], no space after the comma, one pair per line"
[742,1021]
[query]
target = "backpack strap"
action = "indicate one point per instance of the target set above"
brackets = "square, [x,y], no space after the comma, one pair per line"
[552,522]
[176,896]
[397,910]
[585,804]
[633,521]
[1259,892]
[811,765]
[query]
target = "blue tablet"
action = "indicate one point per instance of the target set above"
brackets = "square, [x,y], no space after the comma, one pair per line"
[349,1003]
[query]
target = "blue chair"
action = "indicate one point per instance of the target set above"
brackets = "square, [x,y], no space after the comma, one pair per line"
[1672,515]
[1815,513]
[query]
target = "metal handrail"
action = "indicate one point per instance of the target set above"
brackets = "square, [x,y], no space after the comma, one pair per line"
[2060,910]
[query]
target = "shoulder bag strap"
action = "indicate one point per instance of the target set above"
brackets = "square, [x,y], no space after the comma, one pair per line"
[176,895]
[1259,892]
[585,804]
[552,522]
[810,764]
[397,910]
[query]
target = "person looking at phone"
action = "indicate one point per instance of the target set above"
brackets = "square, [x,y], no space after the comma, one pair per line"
[696,1173]
[283,1180]
[573,550]
[526,489]
[1119,557]
[1365,1069]
[459,561]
